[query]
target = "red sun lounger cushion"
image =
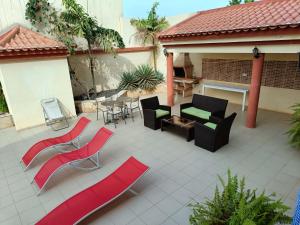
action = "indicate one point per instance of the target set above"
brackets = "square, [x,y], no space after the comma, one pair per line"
[50,142]
[62,159]
[81,205]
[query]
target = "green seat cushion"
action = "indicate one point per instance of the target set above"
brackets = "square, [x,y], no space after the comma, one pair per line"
[161,113]
[211,125]
[197,112]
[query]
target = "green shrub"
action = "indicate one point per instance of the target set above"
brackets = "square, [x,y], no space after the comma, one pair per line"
[144,78]
[236,205]
[3,105]
[294,132]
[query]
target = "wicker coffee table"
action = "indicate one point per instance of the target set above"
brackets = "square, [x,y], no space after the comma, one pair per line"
[182,126]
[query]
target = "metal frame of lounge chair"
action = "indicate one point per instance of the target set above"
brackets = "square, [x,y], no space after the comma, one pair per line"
[83,121]
[67,156]
[67,212]
[51,121]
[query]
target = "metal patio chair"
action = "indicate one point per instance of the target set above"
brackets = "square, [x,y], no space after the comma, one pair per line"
[101,108]
[133,105]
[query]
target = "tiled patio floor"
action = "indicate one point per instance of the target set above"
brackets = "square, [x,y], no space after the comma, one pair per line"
[180,171]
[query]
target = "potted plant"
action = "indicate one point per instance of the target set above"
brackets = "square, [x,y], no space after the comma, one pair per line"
[236,205]
[143,80]
[294,132]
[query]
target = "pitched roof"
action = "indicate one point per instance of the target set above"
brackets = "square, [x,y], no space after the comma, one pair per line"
[22,42]
[256,16]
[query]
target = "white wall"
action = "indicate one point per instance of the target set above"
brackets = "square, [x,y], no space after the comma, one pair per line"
[108,69]
[107,12]
[271,98]
[26,83]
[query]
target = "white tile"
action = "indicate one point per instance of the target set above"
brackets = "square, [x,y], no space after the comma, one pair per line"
[6,201]
[27,203]
[8,212]
[170,222]
[139,204]
[168,186]
[32,215]
[183,195]
[180,172]
[121,215]
[22,194]
[136,221]
[196,186]
[12,221]
[169,205]
[155,194]
[182,216]
[153,216]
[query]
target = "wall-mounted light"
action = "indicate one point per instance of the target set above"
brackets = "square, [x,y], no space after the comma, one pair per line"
[255,52]
[166,52]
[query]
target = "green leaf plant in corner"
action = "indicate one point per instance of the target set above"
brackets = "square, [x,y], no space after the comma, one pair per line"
[294,131]
[236,205]
[3,105]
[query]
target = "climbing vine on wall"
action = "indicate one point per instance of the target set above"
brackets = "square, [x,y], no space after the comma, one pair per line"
[70,23]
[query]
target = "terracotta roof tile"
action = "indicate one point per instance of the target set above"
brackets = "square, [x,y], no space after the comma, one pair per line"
[260,15]
[22,41]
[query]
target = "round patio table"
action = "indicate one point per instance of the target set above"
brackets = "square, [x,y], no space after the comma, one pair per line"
[119,102]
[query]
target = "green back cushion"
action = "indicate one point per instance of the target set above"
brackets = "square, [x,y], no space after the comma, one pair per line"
[211,125]
[197,112]
[161,113]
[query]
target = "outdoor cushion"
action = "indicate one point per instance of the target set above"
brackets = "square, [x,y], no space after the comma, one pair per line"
[211,125]
[197,112]
[161,113]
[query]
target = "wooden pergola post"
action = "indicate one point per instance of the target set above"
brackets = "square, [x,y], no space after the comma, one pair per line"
[170,78]
[257,71]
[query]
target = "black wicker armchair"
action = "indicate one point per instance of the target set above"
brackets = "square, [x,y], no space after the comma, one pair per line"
[154,112]
[214,134]
[202,107]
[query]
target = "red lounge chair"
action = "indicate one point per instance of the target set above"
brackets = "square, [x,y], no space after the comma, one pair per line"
[87,152]
[86,202]
[70,138]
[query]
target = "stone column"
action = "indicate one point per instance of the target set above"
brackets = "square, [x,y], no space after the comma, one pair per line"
[257,71]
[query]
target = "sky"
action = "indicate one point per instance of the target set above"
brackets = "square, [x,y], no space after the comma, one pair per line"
[140,8]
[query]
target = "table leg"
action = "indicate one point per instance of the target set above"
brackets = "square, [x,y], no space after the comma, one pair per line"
[203,89]
[244,101]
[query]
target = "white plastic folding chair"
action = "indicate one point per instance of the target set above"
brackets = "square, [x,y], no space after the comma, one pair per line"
[53,113]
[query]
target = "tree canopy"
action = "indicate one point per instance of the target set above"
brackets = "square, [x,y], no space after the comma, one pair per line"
[238,2]
[147,29]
